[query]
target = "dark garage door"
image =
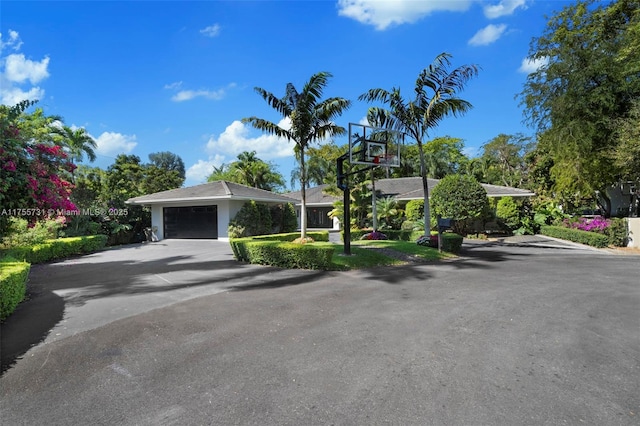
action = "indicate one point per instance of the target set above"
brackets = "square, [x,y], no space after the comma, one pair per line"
[191,222]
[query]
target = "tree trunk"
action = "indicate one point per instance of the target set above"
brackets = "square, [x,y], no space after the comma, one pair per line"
[425,188]
[303,196]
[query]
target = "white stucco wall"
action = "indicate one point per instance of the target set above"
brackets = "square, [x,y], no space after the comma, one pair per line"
[634,231]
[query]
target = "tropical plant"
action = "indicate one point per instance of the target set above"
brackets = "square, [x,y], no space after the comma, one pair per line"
[436,91]
[77,141]
[312,120]
[389,213]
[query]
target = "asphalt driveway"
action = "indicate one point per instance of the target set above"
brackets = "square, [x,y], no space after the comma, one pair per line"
[507,334]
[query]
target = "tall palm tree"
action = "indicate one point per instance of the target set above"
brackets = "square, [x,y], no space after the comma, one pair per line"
[311,121]
[435,98]
[78,141]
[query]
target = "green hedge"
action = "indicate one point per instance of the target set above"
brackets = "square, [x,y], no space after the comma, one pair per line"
[13,284]
[576,235]
[278,250]
[451,243]
[57,249]
[290,236]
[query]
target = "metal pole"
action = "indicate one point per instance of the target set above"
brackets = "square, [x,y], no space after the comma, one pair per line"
[373,202]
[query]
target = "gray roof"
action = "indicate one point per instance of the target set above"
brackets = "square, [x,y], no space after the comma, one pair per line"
[404,189]
[211,191]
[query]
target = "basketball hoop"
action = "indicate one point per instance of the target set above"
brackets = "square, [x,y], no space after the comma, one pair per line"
[388,160]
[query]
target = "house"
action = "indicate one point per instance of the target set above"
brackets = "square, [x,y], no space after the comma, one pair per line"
[202,211]
[402,189]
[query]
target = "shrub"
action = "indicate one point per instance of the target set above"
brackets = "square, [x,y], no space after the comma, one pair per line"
[283,254]
[414,210]
[508,213]
[459,197]
[618,232]
[584,237]
[13,284]
[20,234]
[57,249]
[252,219]
[374,236]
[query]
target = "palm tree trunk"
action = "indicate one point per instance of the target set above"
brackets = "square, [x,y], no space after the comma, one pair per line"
[303,196]
[425,188]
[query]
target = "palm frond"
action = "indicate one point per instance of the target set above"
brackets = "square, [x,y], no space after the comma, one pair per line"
[268,127]
[280,105]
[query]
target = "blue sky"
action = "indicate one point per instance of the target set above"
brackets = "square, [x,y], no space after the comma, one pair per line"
[145,76]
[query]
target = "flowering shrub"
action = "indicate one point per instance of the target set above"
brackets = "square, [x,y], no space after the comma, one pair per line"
[374,236]
[428,241]
[597,224]
[34,172]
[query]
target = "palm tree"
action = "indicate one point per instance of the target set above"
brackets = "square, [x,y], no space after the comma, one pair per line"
[435,98]
[311,121]
[78,141]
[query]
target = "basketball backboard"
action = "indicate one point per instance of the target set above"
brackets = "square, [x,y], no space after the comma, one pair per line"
[373,146]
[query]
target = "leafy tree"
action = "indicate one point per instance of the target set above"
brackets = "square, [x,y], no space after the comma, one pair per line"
[77,141]
[312,120]
[459,197]
[589,83]
[156,179]
[249,170]
[414,210]
[223,172]
[168,161]
[626,154]
[435,98]
[503,161]
[443,156]
[321,165]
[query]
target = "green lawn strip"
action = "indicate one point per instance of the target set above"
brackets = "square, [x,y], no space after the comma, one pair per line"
[360,258]
[363,258]
[408,247]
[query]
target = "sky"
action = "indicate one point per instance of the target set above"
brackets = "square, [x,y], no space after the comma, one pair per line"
[150,76]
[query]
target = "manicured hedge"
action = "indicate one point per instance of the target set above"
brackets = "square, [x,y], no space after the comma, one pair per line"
[57,249]
[451,243]
[577,236]
[278,250]
[13,284]
[290,236]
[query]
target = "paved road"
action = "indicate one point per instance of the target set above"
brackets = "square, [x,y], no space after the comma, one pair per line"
[507,334]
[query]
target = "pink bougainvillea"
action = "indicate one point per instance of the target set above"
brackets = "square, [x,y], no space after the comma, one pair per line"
[595,224]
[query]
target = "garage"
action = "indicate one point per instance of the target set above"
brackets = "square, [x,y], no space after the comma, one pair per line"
[196,222]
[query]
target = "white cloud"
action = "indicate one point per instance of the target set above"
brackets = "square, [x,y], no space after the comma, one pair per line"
[16,71]
[14,41]
[14,95]
[211,31]
[19,69]
[487,35]
[364,121]
[384,13]
[186,95]
[505,7]
[173,86]
[236,138]
[201,170]
[110,143]
[530,65]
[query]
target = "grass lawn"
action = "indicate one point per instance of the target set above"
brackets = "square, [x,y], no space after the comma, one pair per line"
[364,258]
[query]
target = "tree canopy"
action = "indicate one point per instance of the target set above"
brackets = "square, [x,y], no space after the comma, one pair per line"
[250,170]
[586,89]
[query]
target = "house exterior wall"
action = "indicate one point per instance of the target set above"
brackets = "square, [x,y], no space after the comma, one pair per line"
[227,209]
